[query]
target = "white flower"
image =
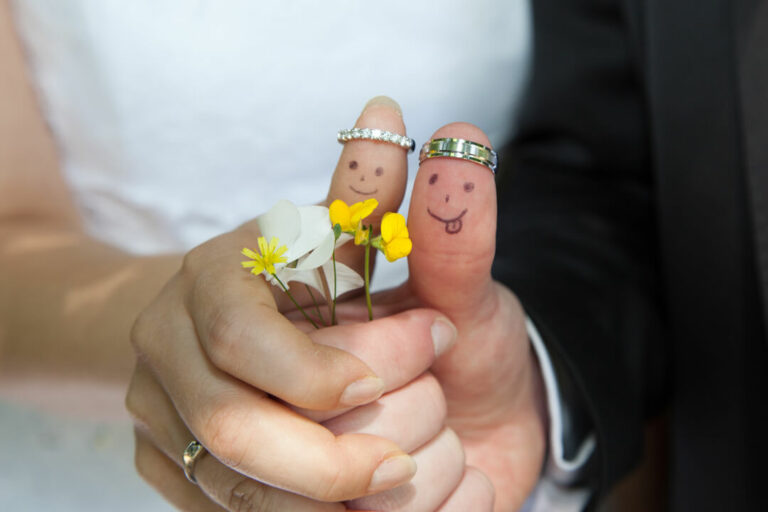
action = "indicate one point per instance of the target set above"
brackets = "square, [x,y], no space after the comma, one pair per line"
[307,233]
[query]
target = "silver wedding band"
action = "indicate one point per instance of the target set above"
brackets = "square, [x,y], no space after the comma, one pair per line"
[192,453]
[377,135]
[460,148]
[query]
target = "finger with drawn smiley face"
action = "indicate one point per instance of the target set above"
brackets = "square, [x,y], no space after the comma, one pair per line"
[490,377]
[452,222]
[370,169]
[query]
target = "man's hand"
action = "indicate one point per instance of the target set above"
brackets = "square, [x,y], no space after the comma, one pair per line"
[490,378]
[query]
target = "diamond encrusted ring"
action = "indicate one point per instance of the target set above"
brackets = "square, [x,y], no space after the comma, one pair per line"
[376,135]
[460,148]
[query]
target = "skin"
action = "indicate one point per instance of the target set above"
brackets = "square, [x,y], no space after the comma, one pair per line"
[492,427]
[218,407]
[281,433]
[439,197]
[230,410]
[369,169]
[490,378]
[363,188]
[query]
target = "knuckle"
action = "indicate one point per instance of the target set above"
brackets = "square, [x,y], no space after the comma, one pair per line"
[134,404]
[152,324]
[194,260]
[332,484]
[141,331]
[249,496]
[199,258]
[485,491]
[434,396]
[143,460]
[221,336]
[140,398]
[223,434]
[453,447]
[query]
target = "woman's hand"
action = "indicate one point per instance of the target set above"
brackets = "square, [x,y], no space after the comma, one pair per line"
[218,362]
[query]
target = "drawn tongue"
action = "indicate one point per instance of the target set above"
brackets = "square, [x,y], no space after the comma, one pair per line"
[453,226]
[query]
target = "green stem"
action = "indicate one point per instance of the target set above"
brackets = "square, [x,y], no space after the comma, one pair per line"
[285,289]
[333,304]
[317,306]
[368,280]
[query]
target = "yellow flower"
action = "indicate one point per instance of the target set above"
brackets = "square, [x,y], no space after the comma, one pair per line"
[349,217]
[362,235]
[394,237]
[270,254]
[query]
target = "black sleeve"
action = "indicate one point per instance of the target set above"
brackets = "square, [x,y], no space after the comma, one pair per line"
[577,238]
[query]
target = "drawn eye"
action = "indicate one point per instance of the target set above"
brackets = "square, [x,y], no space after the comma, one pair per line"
[469,186]
[353,164]
[432,179]
[379,171]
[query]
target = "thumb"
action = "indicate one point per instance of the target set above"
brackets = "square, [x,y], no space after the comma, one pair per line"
[490,380]
[452,222]
[492,387]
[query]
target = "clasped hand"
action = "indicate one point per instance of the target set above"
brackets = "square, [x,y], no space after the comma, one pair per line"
[435,405]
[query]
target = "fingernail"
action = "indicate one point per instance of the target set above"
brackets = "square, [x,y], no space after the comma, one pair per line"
[393,471]
[383,101]
[362,391]
[443,335]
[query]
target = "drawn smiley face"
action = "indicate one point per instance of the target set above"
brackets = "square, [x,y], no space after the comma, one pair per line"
[364,180]
[450,199]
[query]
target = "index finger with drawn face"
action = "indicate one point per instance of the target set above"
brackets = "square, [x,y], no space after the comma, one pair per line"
[366,170]
[370,169]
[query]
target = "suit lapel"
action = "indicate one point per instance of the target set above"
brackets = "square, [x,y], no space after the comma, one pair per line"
[705,82]
[752,51]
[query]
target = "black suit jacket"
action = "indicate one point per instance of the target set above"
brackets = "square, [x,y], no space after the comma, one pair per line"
[634,228]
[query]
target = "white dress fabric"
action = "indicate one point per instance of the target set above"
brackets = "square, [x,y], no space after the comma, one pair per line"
[179,119]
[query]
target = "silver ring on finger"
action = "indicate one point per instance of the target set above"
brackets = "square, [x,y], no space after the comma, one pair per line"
[376,135]
[189,458]
[462,149]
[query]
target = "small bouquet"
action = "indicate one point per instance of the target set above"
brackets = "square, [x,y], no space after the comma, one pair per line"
[298,244]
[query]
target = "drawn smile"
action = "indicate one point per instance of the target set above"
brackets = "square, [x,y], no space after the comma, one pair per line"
[363,193]
[452,226]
